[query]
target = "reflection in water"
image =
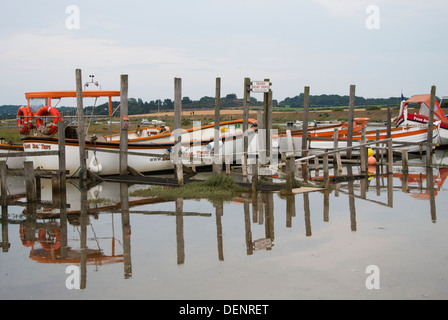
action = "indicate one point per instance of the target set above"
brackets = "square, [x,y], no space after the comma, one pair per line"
[126,230]
[44,226]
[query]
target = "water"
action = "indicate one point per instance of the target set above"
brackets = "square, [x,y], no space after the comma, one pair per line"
[316,245]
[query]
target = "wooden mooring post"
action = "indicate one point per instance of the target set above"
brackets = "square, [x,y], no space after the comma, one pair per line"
[351,113]
[246,101]
[217,162]
[62,157]
[30,182]
[3,181]
[306,104]
[81,130]
[124,121]
[178,131]
[267,126]
[430,121]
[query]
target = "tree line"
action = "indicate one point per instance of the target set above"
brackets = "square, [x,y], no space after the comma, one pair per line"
[138,106]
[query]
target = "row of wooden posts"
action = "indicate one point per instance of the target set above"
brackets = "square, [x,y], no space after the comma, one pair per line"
[264,122]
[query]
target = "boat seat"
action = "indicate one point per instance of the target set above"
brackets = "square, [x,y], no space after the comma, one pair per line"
[71,132]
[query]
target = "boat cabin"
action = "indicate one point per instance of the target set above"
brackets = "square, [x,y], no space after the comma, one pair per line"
[422,115]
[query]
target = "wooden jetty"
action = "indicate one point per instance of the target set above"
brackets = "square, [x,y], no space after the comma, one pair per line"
[293,167]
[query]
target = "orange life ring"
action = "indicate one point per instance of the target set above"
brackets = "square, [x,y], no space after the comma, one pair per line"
[26,243]
[50,242]
[24,120]
[47,112]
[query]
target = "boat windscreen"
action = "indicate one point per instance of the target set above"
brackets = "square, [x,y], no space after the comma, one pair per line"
[37,103]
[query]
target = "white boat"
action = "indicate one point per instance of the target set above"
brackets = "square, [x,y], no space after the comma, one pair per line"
[421,116]
[400,136]
[103,156]
[7,154]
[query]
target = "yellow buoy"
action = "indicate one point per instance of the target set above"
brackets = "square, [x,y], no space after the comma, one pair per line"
[370,152]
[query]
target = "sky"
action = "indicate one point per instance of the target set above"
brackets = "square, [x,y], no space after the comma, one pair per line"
[385,48]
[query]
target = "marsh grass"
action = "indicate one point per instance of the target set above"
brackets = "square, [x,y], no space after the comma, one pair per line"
[217,187]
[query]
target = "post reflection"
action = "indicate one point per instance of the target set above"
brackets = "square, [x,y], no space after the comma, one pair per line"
[432,193]
[219,211]
[56,227]
[126,230]
[180,231]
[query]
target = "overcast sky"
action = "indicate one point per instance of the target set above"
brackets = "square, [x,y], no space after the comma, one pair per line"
[395,46]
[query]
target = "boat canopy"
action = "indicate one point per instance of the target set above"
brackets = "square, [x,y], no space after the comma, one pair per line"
[424,102]
[45,97]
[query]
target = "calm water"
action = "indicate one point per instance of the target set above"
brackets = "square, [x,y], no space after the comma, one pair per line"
[316,245]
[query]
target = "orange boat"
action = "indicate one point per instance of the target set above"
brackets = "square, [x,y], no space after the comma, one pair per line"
[421,116]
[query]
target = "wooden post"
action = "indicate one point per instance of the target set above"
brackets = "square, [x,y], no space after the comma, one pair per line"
[177,130]
[430,126]
[305,166]
[377,151]
[405,161]
[30,183]
[3,177]
[81,130]
[335,139]
[267,123]
[217,162]
[255,176]
[126,230]
[326,173]
[306,104]
[289,174]
[246,101]
[124,124]
[390,157]
[61,147]
[316,167]
[363,135]
[55,189]
[337,157]
[389,123]
[351,113]
[363,159]
[261,138]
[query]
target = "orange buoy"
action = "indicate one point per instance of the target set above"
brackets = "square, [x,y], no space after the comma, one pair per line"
[371,161]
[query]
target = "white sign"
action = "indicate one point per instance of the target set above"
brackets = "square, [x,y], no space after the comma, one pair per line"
[260,86]
[261,244]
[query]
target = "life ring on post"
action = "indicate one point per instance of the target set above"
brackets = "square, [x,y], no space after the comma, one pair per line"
[24,120]
[47,112]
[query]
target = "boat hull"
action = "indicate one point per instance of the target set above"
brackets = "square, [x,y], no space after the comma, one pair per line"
[155,153]
[12,162]
[443,133]
[101,158]
[413,135]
